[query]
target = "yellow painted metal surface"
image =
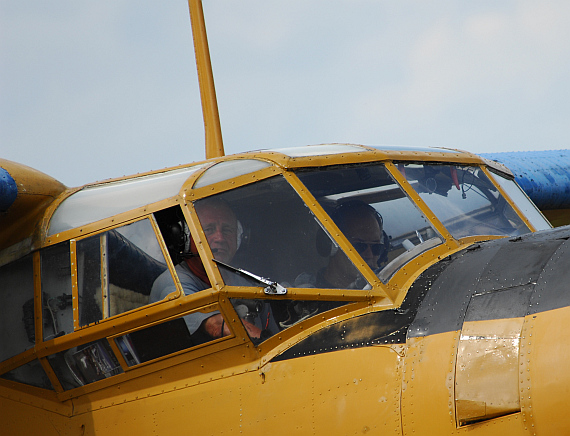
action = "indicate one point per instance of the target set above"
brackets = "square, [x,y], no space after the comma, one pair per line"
[487,370]
[558,217]
[544,375]
[227,391]
[429,393]
[458,382]
[491,378]
[36,191]
[325,394]
[22,419]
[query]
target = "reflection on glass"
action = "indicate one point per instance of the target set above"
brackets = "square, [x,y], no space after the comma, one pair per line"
[266,229]
[318,150]
[89,275]
[521,200]
[116,270]
[17,332]
[374,214]
[134,262]
[463,199]
[409,148]
[85,364]
[31,373]
[269,317]
[228,170]
[97,202]
[163,339]
[56,291]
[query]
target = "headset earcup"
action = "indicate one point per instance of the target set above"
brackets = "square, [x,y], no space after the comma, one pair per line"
[325,246]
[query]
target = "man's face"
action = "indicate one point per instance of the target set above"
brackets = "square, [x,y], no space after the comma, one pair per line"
[365,234]
[220,227]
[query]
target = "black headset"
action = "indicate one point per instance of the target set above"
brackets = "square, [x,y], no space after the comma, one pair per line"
[326,247]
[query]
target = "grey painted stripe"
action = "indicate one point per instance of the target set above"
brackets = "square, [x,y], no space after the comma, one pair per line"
[497,280]
[552,290]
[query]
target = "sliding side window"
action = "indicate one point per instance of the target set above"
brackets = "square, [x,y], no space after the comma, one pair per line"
[116,270]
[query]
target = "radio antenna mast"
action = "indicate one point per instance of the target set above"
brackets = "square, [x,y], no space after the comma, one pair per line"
[212,127]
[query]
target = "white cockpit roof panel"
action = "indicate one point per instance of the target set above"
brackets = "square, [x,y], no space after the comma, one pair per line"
[100,201]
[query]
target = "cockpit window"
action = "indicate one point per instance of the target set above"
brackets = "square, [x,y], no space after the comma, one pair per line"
[116,270]
[463,199]
[266,229]
[57,295]
[374,213]
[263,234]
[521,200]
[17,332]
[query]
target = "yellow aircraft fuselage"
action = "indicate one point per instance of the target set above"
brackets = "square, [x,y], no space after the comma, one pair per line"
[460,328]
[329,289]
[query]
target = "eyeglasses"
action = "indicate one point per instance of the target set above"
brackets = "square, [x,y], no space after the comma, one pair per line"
[376,248]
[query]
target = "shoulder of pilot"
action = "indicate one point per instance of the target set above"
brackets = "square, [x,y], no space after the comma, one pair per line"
[162,286]
[305,280]
[190,283]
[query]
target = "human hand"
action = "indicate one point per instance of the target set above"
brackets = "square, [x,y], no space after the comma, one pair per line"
[252,330]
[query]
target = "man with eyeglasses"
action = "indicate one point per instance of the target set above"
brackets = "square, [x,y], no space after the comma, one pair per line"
[363,228]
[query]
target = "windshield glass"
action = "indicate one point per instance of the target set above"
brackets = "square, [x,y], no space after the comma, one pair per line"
[264,233]
[373,212]
[266,229]
[526,206]
[463,199]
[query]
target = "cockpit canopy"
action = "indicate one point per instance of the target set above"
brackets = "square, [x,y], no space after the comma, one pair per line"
[295,221]
[311,229]
[291,241]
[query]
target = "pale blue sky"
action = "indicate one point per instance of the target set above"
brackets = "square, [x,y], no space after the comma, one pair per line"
[92,90]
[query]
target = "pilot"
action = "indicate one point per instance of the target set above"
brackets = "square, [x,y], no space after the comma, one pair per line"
[362,225]
[220,226]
